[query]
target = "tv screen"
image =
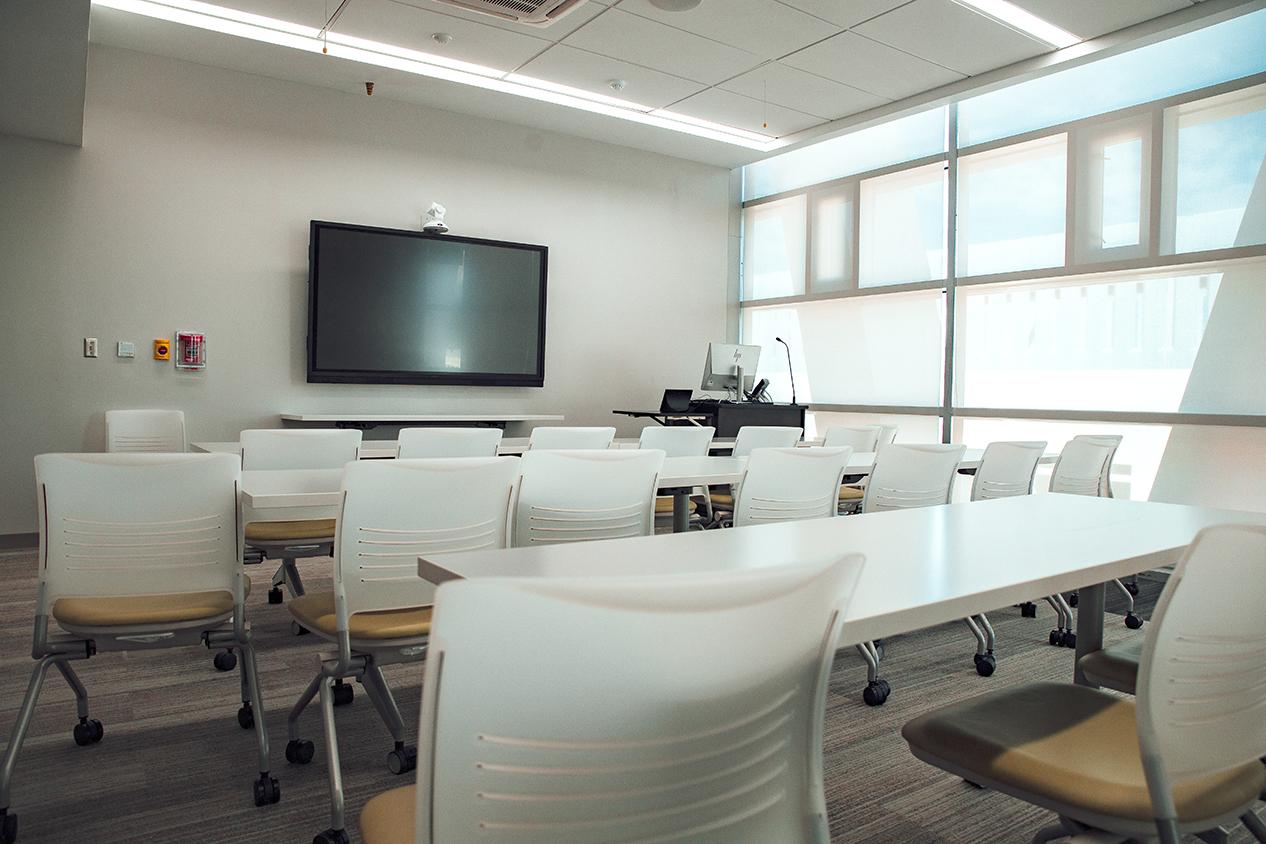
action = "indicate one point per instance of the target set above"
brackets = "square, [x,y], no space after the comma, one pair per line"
[389,306]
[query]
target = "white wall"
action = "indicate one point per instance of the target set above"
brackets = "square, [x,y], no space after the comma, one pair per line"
[188,207]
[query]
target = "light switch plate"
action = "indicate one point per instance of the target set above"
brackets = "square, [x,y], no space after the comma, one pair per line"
[90,347]
[127,349]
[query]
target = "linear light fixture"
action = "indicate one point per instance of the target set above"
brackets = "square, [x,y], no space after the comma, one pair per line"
[1023,20]
[310,39]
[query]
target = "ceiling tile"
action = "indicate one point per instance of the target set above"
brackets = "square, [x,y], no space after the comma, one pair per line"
[307,12]
[802,91]
[591,72]
[845,13]
[764,27]
[406,26]
[745,113]
[652,44]
[1092,18]
[556,31]
[871,66]
[948,34]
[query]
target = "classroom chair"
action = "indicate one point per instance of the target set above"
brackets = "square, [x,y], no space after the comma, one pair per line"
[580,495]
[415,443]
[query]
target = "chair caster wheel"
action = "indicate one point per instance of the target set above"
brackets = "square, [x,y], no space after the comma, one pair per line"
[986,664]
[1028,610]
[225,661]
[1056,638]
[300,751]
[402,759]
[879,648]
[297,629]
[246,717]
[88,731]
[8,828]
[267,790]
[343,693]
[1133,588]
[331,836]
[1132,621]
[274,595]
[876,693]
[1070,639]
[1072,599]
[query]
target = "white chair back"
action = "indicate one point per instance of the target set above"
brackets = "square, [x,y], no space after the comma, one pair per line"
[614,737]
[1006,469]
[397,510]
[414,443]
[1084,466]
[677,440]
[574,496]
[554,437]
[281,448]
[911,475]
[137,524]
[146,430]
[863,438]
[764,436]
[790,484]
[1202,675]
[887,434]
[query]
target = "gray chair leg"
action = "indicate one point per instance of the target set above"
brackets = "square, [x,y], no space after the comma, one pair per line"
[20,725]
[1254,825]
[267,789]
[77,686]
[984,658]
[404,757]
[335,833]
[877,689]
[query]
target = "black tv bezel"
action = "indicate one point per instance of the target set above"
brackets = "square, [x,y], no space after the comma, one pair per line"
[391,376]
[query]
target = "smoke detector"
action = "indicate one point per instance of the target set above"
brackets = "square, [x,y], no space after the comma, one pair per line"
[530,12]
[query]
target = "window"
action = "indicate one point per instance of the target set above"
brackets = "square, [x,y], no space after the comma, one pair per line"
[857,350]
[903,227]
[1219,53]
[1119,345]
[773,249]
[905,139]
[833,235]
[910,429]
[1012,208]
[1214,170]
[1113,191]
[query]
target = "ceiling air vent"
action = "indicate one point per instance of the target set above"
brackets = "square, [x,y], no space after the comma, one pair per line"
[530,12]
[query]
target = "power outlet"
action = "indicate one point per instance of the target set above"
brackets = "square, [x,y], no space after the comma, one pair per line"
[90,347]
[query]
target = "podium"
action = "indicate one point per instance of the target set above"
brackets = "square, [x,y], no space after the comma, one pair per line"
[727,416]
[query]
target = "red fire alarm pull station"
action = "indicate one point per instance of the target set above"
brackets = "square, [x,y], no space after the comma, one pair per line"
[191,350]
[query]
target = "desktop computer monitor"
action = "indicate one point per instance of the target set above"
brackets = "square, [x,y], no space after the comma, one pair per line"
[719,371]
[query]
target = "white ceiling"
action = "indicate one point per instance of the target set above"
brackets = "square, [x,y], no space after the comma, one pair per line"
[776,67]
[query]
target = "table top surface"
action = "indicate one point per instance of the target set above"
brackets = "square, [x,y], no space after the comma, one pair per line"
[923,566]
[420,417]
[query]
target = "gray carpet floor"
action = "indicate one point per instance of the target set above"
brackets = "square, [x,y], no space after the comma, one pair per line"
[175,767]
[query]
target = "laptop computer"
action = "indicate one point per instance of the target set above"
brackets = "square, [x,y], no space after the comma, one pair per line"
[675,401]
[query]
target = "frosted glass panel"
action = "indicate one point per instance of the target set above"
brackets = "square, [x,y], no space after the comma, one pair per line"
[1113,190]
[1103,345]
[858,350]
[1219,53]
[1221,149]
[833,215]
[905,139]
[910,429]
[773,249]
[1122,168]
[1011,208]
[903,227]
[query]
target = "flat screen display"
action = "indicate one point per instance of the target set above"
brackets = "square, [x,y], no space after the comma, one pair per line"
[391,306]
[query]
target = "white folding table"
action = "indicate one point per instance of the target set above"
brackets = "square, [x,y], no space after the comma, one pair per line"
[924,566]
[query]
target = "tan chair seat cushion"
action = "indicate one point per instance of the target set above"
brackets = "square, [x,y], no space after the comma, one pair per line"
[1070,744]
[851,493]
[664,506]
[722,500]
[315,611]
[312,529]
[1116,667]
[390,817]
[139,610]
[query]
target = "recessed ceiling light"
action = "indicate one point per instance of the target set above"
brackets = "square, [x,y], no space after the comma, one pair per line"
[675,5]
[296,36]
[616,84]
[1013,16]
[441,38]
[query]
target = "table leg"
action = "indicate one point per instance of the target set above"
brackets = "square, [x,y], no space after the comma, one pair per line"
[681,510]
[1089,627]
